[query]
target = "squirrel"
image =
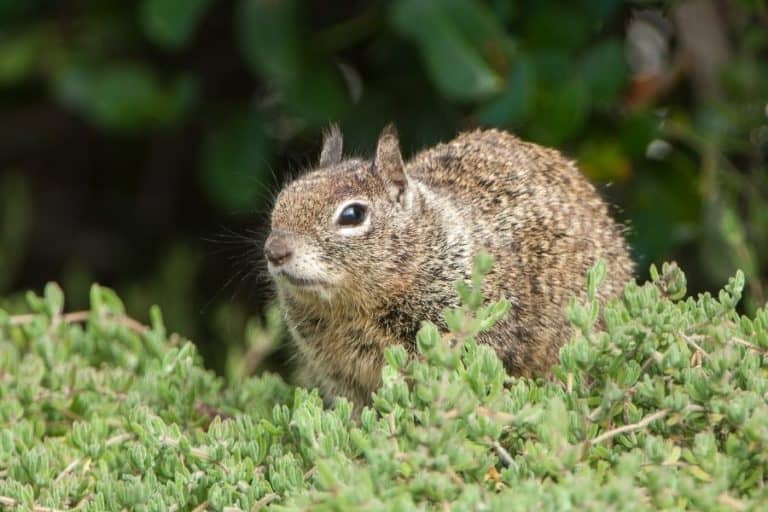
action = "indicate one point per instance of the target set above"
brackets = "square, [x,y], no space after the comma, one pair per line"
[362,251]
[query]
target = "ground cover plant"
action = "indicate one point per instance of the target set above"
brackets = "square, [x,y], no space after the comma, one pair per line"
[659,402]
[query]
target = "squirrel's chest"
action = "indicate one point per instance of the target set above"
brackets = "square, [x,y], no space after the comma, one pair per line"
[338,351]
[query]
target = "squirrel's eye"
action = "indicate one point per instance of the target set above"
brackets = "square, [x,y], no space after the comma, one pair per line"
[352,215]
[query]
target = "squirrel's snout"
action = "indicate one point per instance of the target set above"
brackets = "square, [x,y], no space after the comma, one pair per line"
[278,250]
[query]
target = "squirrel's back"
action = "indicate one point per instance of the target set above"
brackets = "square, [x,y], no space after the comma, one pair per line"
[524,193]
[363,251]
[545,224]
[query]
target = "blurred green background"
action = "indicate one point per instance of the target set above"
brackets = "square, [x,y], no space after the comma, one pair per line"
[141,142]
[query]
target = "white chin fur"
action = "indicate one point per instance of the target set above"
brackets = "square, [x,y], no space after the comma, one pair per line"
[291,287]
[303,273]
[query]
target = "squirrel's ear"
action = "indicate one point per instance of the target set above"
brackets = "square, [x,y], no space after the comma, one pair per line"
[389,162]
[333,143]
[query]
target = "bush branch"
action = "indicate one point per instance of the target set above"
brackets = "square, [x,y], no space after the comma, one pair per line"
[7,501]
[631,427]
[503,454]
[82,316]
[112,441]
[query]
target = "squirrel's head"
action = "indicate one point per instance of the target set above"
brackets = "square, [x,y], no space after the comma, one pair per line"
[337,231]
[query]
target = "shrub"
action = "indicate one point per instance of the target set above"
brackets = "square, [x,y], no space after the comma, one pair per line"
[659,402]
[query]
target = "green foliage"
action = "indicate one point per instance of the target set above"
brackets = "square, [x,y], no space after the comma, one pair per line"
[234,158]
[276,47]
[452,37]
[208,106]
[123,96]
[170,23]
[658,403]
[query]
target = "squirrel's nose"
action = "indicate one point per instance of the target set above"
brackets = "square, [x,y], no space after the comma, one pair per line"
[278,250]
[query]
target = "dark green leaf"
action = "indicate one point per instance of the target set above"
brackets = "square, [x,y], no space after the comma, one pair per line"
[170,23]
[512,106]
[556,26]
[458,68]
[123,96]
[605,70]
[235,162]
[9,9]
[269,38]
[18,57]
[562,110]
[276,49]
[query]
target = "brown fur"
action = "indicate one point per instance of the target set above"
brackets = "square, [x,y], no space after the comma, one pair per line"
[527,205]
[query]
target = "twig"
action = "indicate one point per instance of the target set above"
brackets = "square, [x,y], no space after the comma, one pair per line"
[451,414]
[504,417]
[200,453]
[455,478]
[132,324]
[731,502]
[630,428]
[695,345]
[201,507]
[594,415]
[503,454]
[7,501]
[393,433]
[118,439]
[112,441]
[749,345]
[255,356]
[75,317]
[83,501]
[28,318]
[734,339]
[82,316]
[67,470]
[264,501]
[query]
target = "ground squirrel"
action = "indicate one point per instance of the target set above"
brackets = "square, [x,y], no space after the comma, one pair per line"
[362,251]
